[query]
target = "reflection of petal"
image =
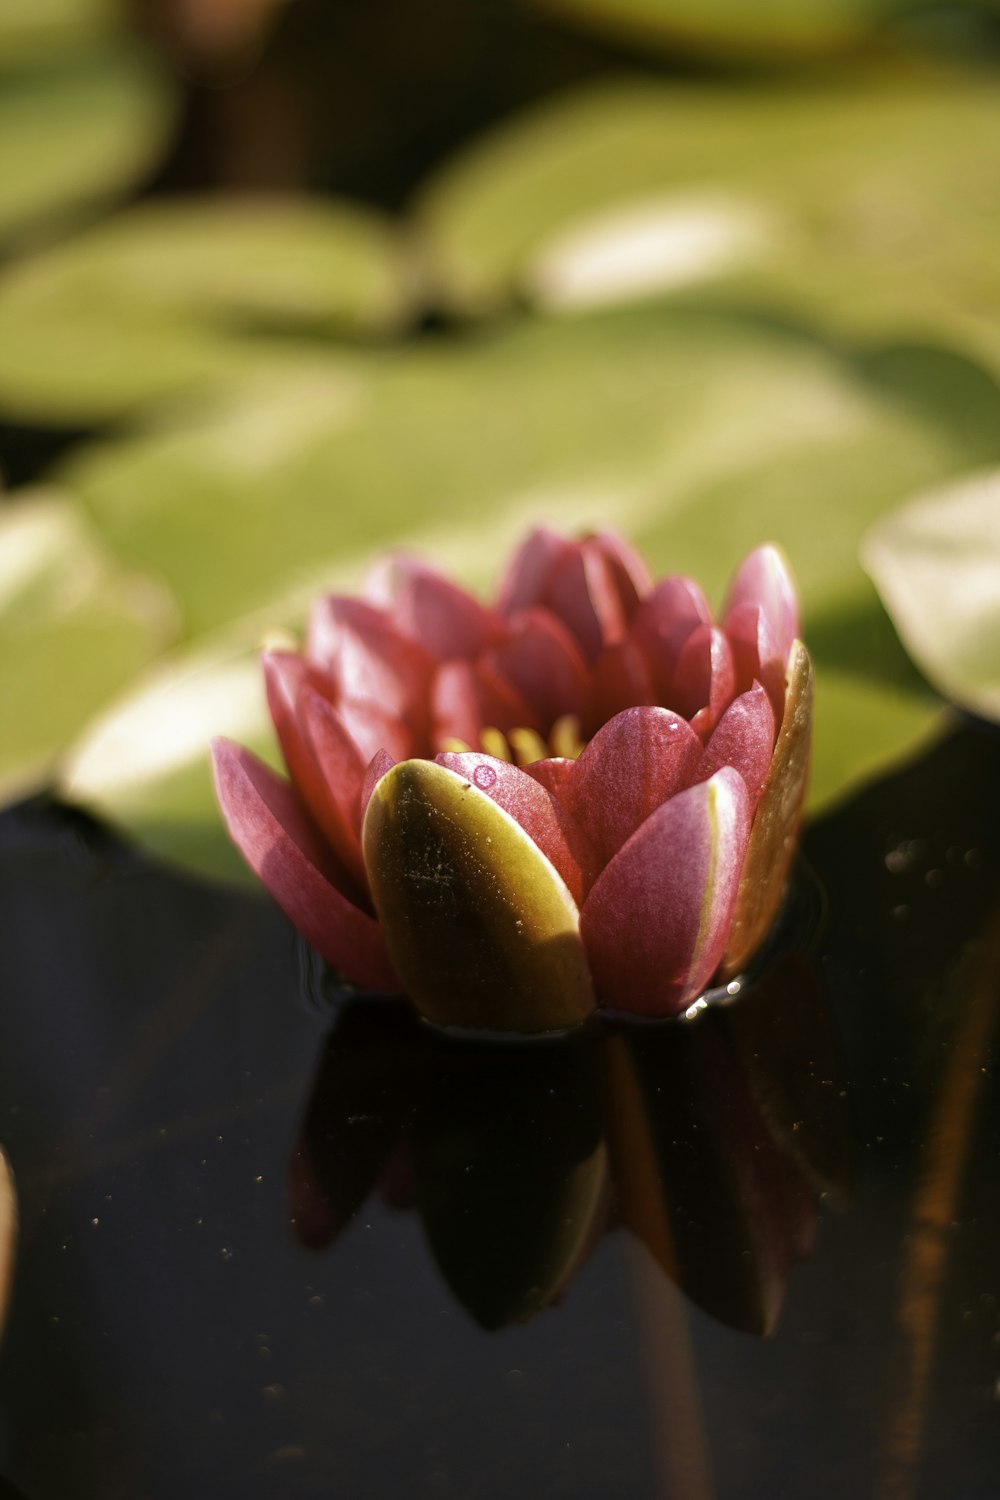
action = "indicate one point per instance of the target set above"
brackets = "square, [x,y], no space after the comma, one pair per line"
[8,1235]
[511,1175]
[700,1180]
[364,1092]
[783,1035]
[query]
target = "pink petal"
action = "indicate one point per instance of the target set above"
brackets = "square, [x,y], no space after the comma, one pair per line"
[267,823]
[757,655]
[555,775]
[372,727]
[526,580]
[584,592]
[448,622]
[466,698]
[763,579]
[743,739]
[662,624]
[633,577]
[621,679]
[542,661]
[368,658]
[656,921]
[341,766]
[639,759]
[386,577]
[380,762]
[289,680]
[704,676]
[542,817]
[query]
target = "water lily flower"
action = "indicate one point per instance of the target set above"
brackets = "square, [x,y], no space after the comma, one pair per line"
[584,793]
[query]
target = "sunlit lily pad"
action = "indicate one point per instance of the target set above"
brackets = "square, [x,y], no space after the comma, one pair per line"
[683,428]
[936,563]
[77,131]
[871,203]
[171,296]
[700,435]
[73,630]
[32,30]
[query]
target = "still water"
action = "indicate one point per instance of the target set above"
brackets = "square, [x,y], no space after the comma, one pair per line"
[273,1245]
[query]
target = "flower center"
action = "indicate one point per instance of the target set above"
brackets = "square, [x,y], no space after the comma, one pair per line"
[523,746]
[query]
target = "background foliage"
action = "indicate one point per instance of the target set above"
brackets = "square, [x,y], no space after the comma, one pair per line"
[277,290]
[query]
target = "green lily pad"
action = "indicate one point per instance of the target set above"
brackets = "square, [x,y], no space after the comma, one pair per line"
[77,131]
[698,434]
[35,30]
[145,764]
[731,29]
[936,563]
[73,630]
[870,204]
[170,296]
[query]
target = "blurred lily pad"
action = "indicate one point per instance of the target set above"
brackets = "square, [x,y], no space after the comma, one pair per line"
[169,296]
[74,629]
[936,563]
[731,29]
[864,205]
[145,764]
[697,433]
[81,128]
[33,30]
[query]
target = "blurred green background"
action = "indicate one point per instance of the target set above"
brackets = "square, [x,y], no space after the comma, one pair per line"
[284,282]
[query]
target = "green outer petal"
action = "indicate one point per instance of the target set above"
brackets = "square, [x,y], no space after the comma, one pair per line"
[775,829]
[479,925]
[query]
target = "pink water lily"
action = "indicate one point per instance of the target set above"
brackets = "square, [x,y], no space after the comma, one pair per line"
[586,792]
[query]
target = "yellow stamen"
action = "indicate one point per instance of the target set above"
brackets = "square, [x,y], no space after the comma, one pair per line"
[523,745]
[494,742]
[528,746]
[565,738]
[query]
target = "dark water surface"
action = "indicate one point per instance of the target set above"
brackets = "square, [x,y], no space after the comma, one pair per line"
[269,1250]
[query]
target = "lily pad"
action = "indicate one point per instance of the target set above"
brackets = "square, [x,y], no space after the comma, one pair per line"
[869,204]
[170,296]
[731,29]
[33,30]
[74,629]
[936,563]
[78,131]
[698,434]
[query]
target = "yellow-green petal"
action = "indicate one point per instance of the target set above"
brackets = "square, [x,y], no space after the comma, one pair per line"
[480,926]
[775,829]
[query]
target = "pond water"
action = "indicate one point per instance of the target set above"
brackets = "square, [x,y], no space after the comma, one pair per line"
[271,1247]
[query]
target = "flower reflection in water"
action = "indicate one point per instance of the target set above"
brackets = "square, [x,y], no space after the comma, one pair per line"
[711,1143]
